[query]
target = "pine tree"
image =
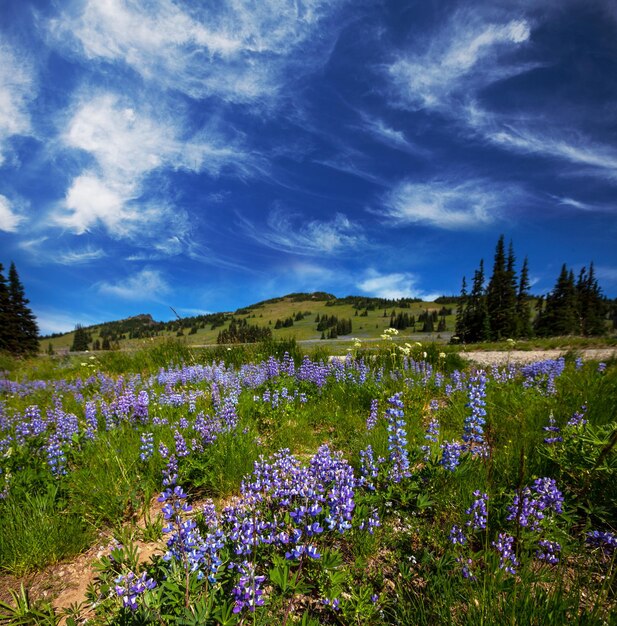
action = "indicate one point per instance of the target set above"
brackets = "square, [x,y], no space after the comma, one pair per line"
[523,321]
[501,294]
[460,327]
[80,339]
[591,303]
[560,315]
[5,314]
[477,319]
[22,323]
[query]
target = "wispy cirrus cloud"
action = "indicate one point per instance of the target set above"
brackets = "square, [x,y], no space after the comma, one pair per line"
[392,286]
[444,204]
[17,90]
[10,219]
[468,53]
[235,50]
[147,284]
[477,48]
[289,233]
[585,206]
[529,137]
[79,256]
[389,136]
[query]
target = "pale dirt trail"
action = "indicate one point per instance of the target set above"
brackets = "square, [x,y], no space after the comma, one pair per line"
[493,357]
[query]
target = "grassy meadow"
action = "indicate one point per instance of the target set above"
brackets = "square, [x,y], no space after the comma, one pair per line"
[397,485]
[370,326]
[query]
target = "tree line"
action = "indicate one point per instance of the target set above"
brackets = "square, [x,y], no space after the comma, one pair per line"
[19,332]
[242,332]
[501,309]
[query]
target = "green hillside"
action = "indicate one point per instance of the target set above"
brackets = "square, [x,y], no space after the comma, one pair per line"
[293,315]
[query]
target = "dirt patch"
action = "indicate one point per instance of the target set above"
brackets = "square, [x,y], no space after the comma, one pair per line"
[494,357]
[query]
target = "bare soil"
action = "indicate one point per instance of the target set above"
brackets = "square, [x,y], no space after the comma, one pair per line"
[493,357]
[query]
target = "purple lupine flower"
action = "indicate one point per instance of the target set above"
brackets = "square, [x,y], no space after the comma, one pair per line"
[369,468]
[578,418]
[548,497]
[466,570]
[170,473]
[129,587]
[457,536]
[227,412]
[334,604]
[531,505]
[578,363]
[140,406]
[248,593]
[147,446]
[552,428]
[542,374]
[478,512]
[371,420]
[601,367]
[181,447]
[56,458]
[451,454]
[505,547]
[373,521]
[473,430]
[91,420]
[602,539]
[432,435]
[548,551]
[185,544]
[397,439]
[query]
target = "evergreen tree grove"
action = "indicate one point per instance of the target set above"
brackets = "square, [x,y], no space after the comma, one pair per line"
[559,316]
[502,310]
[18,328]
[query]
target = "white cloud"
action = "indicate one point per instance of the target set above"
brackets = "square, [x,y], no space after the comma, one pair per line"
[308,238]
[389,136]
[462,56]
[558,142]
[17,89]
[585,206]
[606,273]
[473,50]
[145,285]
[78,257]
[235,49]
[50,321]
[441,204]
[127,143]
[89,201]
[393,286]
[9,219]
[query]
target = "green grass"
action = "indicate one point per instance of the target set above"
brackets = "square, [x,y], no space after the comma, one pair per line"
[409,562]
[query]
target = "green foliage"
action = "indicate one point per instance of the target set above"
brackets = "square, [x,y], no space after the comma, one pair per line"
[81,339]
[18,327]
[23,611]
[406,571]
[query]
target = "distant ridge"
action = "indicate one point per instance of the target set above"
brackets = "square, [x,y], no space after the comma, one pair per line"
[292,315]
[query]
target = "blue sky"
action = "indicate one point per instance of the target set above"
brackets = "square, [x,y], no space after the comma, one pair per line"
[208,155]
